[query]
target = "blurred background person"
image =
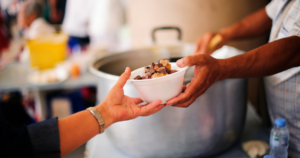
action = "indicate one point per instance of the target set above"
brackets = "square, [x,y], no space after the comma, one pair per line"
[9,10]
[30,19]
[93,22]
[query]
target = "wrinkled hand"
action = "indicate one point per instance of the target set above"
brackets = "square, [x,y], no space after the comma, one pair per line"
[119,107]
[206,73]
[203,43]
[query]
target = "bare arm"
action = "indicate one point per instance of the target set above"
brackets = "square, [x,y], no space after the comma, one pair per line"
[266,60]
[77,129]
[255,24]
[82,126]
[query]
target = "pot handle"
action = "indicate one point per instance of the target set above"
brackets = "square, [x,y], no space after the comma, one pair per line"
[166,28]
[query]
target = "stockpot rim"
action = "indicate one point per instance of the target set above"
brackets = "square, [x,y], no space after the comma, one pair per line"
[99,73]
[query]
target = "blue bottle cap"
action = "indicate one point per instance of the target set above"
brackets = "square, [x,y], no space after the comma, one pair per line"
[269,156]
[280,122]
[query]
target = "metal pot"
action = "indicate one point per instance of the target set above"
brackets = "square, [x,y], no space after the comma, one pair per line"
[208,126]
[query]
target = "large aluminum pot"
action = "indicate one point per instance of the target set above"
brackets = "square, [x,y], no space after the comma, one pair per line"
[208,126]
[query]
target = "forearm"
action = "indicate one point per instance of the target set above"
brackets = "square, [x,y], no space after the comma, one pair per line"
[78,128]
[266,60]
[253,25]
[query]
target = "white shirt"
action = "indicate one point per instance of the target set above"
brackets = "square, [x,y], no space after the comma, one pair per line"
[289,27]
[98,19]
[76,17]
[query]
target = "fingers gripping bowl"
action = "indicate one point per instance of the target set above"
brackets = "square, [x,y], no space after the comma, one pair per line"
[163,88]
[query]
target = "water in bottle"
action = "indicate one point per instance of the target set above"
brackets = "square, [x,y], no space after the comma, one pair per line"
[279,139]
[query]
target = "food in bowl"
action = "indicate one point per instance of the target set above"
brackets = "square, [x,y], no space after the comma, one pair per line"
[160,69]
[163,88]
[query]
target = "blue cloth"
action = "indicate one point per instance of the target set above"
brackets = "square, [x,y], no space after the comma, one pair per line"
[44,137]
[15,142]
[12,109]
[39,140]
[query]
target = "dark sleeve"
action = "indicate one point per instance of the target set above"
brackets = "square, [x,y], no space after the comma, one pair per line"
[14,142]
[44,137]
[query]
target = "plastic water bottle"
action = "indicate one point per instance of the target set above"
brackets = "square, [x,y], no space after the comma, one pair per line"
[269,156]
[279,139]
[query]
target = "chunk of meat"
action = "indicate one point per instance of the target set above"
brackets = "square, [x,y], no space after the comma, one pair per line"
[162,70]
[168,70]
[156,70]
[151,70]
[138,77]
[160,65]
[152,65]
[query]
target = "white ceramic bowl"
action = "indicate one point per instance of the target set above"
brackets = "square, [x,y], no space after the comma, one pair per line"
[163,88]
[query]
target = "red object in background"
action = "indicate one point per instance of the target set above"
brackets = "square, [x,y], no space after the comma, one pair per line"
[89,96]
[4,42]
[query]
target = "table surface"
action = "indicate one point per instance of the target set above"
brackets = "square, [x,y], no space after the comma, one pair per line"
[14,77]
[100,145]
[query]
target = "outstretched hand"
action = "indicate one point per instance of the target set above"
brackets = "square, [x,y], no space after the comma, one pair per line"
[205,74]
[119,107]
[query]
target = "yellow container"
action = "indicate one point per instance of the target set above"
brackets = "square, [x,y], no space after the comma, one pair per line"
[48,50]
